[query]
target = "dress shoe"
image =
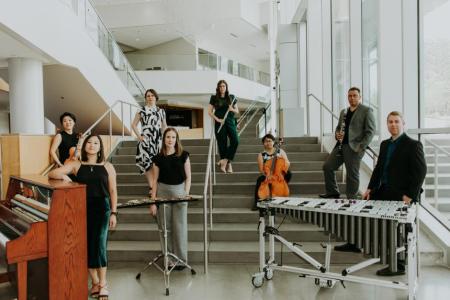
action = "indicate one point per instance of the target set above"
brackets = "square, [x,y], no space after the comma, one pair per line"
[329,196]
[347,248]
[179,268]
[387,272]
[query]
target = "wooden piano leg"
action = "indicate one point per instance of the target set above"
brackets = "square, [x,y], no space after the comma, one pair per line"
[22,280]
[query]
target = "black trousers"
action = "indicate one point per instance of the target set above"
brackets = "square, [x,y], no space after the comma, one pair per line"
[260,180]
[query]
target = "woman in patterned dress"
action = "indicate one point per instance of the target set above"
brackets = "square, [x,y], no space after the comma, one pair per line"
[153,123]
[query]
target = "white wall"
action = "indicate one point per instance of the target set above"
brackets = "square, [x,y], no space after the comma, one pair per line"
[200,83]
[50,27]
[178,54]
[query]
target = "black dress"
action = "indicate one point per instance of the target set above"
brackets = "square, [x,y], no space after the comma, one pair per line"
[67,141]
[98,212]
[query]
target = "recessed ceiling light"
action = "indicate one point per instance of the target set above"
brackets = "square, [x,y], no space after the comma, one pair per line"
[233,35]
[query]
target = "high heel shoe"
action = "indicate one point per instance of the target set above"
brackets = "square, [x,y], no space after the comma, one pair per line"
[94,291]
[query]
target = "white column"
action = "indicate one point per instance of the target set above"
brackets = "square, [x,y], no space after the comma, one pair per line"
[390,75]
[273,29]
[290,102]
[355,44]
[26,95]
[50,127]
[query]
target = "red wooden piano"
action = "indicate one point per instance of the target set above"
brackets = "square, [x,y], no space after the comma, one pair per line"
[43,238]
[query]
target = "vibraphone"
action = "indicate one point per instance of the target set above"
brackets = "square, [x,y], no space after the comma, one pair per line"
[385,230]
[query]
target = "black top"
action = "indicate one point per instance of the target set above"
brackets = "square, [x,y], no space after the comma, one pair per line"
[406,170]
[348,118]
[221,106]
[96,179]
[171,168]
[67,141]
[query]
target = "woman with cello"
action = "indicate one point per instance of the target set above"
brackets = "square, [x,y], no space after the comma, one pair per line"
[273,165]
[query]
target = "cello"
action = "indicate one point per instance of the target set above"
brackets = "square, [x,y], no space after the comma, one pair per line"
[274,169]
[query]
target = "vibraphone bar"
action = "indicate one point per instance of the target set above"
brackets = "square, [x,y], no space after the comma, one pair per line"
[385,230]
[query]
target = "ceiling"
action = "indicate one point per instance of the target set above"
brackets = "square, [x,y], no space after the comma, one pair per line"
[141,24]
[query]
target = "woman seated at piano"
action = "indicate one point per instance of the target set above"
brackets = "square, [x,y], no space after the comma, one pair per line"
[66,141]
[172,179]
[265,159]
[101,205]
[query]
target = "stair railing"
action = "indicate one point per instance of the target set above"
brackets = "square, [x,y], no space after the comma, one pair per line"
[108,113]
[249,119]
[208,194]
[369,151]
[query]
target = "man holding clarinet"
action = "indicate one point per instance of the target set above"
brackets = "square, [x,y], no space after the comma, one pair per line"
[354,132]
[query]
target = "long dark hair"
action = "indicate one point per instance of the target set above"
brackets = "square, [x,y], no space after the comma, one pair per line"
[178,146]
[100,154]
[227,93]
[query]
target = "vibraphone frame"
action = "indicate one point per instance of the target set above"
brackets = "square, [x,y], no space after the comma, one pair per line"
[321,272]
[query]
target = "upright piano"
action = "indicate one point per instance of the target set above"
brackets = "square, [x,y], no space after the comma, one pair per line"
[43,238]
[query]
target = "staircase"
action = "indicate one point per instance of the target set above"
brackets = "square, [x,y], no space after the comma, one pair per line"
[234,237]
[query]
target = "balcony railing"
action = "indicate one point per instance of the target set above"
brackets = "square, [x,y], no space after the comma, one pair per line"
[105,41]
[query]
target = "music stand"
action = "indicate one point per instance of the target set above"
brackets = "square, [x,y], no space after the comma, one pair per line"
[165,254]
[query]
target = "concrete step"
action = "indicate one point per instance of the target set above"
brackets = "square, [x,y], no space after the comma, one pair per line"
[443,190]
[240,157]
[232,232]
[241,188]
[223,252]
[241,149]
[243,141]
[237,167]
[443,179]
[297,176]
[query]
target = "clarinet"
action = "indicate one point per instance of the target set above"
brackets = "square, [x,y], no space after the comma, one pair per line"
[342,130]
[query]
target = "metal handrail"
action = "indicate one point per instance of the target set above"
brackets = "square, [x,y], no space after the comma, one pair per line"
[264,115]
[246,112]
[248,121]
[436,150]
[108,112]
[210,170]
[369,150]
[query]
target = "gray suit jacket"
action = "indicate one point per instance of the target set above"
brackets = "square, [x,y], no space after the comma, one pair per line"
[361,129]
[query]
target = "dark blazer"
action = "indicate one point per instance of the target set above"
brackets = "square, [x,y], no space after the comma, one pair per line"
[361,129]
[406,170]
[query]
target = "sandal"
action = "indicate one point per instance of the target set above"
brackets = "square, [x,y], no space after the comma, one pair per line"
[103,292]
[94,291]
[229,168]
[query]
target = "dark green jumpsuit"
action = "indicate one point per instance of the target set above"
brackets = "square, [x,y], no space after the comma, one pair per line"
[226,151]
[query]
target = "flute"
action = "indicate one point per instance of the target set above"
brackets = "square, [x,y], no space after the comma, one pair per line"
[226,115]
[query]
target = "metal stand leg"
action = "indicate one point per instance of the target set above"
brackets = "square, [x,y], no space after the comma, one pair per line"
[166,270]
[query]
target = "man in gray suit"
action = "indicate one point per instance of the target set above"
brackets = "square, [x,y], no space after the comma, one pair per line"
[354,132]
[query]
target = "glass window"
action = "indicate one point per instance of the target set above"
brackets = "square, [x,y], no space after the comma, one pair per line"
[436,64]
[369,12]
[340,53]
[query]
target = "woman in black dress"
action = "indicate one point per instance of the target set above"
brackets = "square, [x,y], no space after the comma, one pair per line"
[65,142]
[101,205]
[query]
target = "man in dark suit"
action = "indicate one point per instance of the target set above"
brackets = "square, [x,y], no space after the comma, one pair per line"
[398,175]
[354,132]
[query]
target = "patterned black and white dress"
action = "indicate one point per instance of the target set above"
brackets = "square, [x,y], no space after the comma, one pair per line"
[151,121]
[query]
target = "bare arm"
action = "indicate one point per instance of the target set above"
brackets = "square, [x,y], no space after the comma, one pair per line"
[62,172]
[155,171]
[55,144]
[234,108]
[164,123]
[112,188]
[260,164]
[284,155]
[187,170]
[134,124]
[212,115]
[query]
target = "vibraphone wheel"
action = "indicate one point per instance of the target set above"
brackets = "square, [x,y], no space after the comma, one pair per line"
[268,274]
[316,281]
[167,291]
[257,281]
[138,276]
[193,272]
[329,283]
